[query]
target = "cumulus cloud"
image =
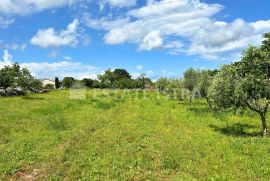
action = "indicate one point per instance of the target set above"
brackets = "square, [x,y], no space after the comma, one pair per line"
[6,59]
[151,41]
[186,26]
[46,38]
[59,69]
[261,26]
[167,17]
[24,7]
[118,3]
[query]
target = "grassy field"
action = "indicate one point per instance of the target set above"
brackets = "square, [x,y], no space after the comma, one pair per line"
[50,137]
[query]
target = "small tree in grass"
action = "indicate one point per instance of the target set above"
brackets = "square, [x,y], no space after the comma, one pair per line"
[88,82]
[205,79]
[68,82]
[191,79]
[246,83]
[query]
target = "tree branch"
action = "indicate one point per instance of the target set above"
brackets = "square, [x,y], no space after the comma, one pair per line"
[252,108]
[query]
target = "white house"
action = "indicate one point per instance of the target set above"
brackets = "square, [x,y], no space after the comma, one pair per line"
[47,82]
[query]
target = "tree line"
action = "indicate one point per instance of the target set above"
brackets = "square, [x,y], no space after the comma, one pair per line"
[244,84]
[110,79]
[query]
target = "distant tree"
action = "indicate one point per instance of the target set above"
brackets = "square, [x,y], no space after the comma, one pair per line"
[68,82]
[106,79]
[49,86]
[96,84]
[191,80]
[57,83]
[212,72]
[36,84]
[174,89]
[120,74]
[119,78]
[17,78]
[140,81]
[88,82]
[162,84]
[148,83]
[205,79]
[143,82]
[222,89]
[246,83]
[9,76]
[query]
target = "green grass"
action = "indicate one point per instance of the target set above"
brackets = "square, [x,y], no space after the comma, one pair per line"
[127,139]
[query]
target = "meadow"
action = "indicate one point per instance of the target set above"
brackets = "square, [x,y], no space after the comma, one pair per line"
[52,137]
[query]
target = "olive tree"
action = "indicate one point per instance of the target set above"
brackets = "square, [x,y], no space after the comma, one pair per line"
[162,84]
[191,80]
[205,79]
[246,83]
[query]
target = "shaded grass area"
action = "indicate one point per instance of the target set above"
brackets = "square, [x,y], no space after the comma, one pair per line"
[124,138]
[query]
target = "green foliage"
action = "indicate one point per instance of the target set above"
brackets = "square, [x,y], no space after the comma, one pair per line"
[191,81]
[68,82]
[49,86]
[162,84]
[15,77]
[221,91]
[120,74]
[35,84]
[175,89]
[245,83]
[96,84]
[205,80]
[121,79]
[88,82]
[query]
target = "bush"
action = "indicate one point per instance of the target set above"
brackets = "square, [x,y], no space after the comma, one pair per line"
[68,82]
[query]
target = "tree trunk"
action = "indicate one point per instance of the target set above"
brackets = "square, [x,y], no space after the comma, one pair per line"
[190,99]
[209,103]
[264,125]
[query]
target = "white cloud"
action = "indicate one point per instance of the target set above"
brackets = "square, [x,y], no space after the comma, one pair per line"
[118,3]
[139,67]
[5,22]
[7,59]
[168,17]
[184,9]
[24,7]
[151,41]
[67,58]
[181,26]
[50,38]
[13,46]
[261,26]
[59,69]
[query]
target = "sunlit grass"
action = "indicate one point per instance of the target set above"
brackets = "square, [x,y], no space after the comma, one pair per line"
[126,138]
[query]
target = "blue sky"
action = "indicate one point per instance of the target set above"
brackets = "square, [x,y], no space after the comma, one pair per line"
[82,38]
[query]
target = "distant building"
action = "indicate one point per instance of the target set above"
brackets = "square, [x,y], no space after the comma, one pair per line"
[46,82]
